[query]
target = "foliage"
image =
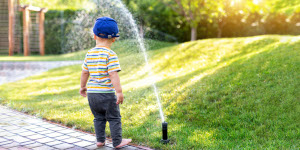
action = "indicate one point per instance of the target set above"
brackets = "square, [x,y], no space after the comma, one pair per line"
[235,93]
[157,20]
[288,7]
[58,23]
[58,4]
[193,11]
[224,18]
[161,22]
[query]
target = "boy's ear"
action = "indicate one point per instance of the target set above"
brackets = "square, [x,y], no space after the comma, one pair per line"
[95,38]
[113,39]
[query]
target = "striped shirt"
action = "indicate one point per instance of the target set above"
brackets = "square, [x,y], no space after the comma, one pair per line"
[100,61]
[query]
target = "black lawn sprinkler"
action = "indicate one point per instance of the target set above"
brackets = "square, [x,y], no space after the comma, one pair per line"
[164,139]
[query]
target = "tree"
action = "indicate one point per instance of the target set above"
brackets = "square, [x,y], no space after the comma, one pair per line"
[143,12]
[193,11]
[225,8]
[157,21]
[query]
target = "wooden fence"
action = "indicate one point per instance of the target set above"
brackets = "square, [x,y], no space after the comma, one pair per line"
[21,23]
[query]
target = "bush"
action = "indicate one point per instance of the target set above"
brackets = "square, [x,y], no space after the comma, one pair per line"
[163,26]
[57,24]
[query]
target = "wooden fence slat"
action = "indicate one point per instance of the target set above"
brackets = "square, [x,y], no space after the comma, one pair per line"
[11,25]
[26,31]
[41,32]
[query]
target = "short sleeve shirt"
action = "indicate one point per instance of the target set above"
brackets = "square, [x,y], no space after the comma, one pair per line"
[100,61]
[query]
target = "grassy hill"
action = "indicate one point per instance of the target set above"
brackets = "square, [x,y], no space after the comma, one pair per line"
[229,93]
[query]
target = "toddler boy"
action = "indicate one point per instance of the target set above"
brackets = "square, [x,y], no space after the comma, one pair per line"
[101,64]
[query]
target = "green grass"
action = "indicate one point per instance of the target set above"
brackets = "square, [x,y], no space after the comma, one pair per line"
[79,55]
[234,93]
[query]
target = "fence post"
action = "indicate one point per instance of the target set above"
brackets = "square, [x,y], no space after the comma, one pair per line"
[42,32]
[11,25]
[26,30]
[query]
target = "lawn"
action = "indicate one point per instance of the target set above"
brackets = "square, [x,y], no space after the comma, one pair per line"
[229,93]
[151,44]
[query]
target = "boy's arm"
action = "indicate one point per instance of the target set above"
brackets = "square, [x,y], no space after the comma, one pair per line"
[115,80]
[84,78]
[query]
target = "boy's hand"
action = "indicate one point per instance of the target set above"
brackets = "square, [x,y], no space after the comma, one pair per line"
[120,98]
[82,91]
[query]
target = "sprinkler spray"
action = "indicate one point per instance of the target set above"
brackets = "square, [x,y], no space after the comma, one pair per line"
[164,139]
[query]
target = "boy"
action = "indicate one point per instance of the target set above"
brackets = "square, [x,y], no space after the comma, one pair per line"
[102,65]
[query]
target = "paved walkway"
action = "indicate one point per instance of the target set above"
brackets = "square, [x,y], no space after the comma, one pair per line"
[15,70]
[19,131]
[23,132]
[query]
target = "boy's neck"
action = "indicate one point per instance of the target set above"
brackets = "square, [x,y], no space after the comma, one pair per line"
[103,44]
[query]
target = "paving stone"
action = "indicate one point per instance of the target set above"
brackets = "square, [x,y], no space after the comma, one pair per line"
[35,144]
[5,123]
[54,143]
[33,133]
[36,136]
[19,148]
[54,134]
[76,134]
[63,146]
[6,142]
[20,139]
[62,137]
[83,143]
[109,145]
[23,117]
[129,148]
[66,131]
[12,137]
[92,147]
[57,128]
[39,129]
[71,140]
[108,141]
[76,148]
[13,144]
[3,139]
[8,118]
[27,133]
[3,115]
[17,123]
[6,134]
[88,138]
[27,143]
[44,147]
[18,131]
[45,140]
[11,128]
[42,123]
[33,121]
[49,126]
[31,127]
[46,132]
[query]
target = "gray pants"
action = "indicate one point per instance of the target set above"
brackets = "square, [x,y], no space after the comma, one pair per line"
[104,108]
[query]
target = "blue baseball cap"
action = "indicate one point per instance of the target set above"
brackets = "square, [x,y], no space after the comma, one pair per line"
[106,27]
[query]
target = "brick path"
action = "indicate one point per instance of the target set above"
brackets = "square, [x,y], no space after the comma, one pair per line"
[19,131]
[14,70]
